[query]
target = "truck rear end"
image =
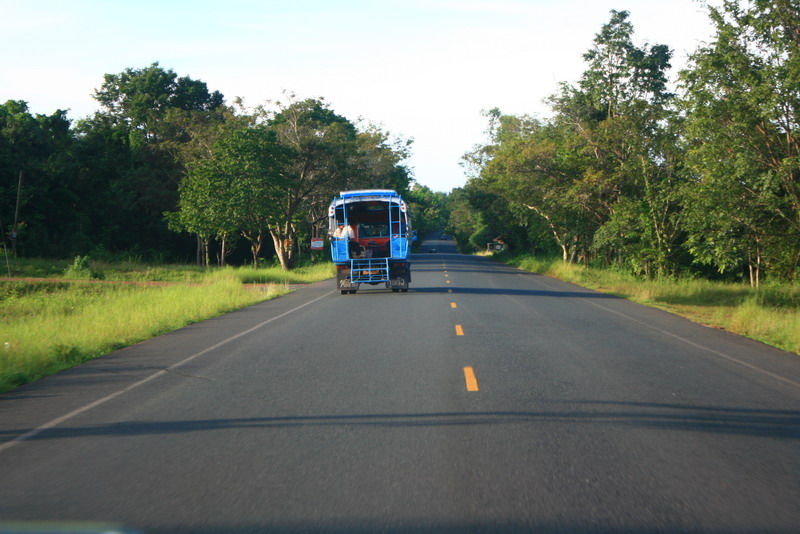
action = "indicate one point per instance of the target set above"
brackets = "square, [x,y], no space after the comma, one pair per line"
[370,239]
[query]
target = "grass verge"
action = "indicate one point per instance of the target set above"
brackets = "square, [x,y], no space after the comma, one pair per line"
[55,324]
[770,314]
[45,328]
[132,271]
[275,275]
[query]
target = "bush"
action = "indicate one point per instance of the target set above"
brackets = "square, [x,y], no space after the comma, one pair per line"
[82,270]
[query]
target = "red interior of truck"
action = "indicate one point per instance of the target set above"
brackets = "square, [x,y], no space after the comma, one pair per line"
[371,226]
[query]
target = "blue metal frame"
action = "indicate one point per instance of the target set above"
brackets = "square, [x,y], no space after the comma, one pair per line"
[372,270]
[369,270]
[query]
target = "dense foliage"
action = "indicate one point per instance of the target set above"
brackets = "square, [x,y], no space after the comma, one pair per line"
[167,171]
[627,173]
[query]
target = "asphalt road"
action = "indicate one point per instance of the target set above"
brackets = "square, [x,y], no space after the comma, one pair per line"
[483,400]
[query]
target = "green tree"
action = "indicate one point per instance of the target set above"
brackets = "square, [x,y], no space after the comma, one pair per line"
[622,124]
[275,173]
[142,97]
[203,208]
[428,209]
[743,115]
[536,169]
[619,74]
[322,146]
[37,175]
[144,121]
[379,161]
[239,188]
[192,137]
[462,218]
[602,174]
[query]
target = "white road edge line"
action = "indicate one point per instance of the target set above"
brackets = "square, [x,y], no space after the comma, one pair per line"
[57,421]
[692,343]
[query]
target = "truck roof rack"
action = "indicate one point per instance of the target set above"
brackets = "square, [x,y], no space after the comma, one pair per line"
[367,193]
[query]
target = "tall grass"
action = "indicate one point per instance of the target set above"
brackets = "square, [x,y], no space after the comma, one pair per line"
[47,327]
[276,275]
[770,314]
[134,271]
[34,267]
[54,324]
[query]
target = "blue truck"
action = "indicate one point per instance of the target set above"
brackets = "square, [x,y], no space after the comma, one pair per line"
[371,237]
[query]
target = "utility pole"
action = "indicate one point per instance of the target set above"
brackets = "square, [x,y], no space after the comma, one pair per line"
[16,218]
[5,249]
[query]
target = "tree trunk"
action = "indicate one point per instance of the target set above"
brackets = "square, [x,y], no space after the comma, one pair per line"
[754,265]
[223,251]
[280,250]
[758,269]
[574,251]
[283,238]
[568,258]
[255,248]
[205,244]
[203,254]
[256,240]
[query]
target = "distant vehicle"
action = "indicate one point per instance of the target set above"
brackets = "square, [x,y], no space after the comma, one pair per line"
[370,239]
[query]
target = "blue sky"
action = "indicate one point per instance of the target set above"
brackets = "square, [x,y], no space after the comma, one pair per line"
[420,68]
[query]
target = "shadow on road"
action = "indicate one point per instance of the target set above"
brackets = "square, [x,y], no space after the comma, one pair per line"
[782,424]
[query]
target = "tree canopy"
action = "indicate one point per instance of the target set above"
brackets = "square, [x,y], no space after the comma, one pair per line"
[166,168]
[701,177]
[627,172]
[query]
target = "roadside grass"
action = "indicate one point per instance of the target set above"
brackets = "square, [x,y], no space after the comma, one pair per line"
[770,314]
[275,275]
[133,271]
[33,267]
[47,326]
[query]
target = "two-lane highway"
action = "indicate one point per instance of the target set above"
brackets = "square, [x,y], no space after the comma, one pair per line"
[485,399]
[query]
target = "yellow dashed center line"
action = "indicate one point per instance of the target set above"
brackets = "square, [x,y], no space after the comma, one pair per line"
[469,376]
[459,330]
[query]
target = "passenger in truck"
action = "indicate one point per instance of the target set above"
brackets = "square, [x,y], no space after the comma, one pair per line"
[348,233]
